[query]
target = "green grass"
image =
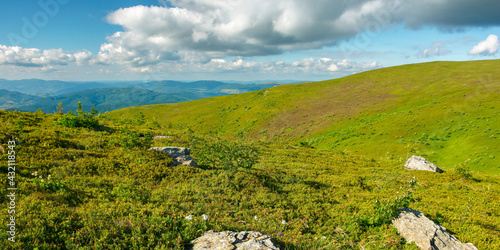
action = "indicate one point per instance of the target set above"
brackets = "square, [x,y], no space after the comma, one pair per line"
[107,190]
[444,111]
[315,166]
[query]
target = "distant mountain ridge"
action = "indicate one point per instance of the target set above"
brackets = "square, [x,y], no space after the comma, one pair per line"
[10,99]
[39,87]
[32,94]
[106,99]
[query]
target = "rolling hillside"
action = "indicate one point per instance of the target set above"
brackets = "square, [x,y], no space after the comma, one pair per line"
[95,183]
[444,111]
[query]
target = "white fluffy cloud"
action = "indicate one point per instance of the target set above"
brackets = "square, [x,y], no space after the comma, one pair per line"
[321,66]
[47,59]
[437,49]
[186,30]
[194,35]
[221,28]
[487,47]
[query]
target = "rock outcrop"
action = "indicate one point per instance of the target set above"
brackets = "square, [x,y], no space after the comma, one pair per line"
[227,240]
[181,156]
[420,163]
[415,227]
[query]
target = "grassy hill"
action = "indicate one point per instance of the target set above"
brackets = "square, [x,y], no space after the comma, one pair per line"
[81,188]
[444,111]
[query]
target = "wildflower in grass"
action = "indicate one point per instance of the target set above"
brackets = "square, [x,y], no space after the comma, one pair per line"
[189,217]
[35,173]
[40,177]
[283,222]
[255,217]
[48,177]
[42,180]
[205,217]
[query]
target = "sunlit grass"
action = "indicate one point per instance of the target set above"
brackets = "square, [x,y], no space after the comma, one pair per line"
[107,192]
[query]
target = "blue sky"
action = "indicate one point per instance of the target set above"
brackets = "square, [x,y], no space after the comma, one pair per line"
[237,40]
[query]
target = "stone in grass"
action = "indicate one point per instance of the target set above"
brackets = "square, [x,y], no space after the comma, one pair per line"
[227,240]
[415,227]
[420,163]
[180,155]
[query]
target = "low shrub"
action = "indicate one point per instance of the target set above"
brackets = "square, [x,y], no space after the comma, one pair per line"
[80,119]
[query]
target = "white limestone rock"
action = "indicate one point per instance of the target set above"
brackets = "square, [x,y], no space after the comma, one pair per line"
[420,163]
[181,156]
[227,240]
[415,227]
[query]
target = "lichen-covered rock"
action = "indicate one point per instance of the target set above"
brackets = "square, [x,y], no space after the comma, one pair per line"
[420,163]
[415,227]
[185,160]
[181,156]
[227,240]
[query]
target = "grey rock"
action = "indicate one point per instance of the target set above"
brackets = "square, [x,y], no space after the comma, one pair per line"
[185,160]
[420,163]
[415,227]
[227,240]
[180,155]
[157,137]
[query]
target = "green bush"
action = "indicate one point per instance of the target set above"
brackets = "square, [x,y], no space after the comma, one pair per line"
[80,119]
[463,170]
[384,212]
[218,152]
[132,139]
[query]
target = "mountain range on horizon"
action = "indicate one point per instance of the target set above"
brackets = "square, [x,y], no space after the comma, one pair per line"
[34,94]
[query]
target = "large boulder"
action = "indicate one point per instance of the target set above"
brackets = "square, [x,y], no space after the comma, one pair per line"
[180,155]
[415,227]
[420,163]
[227,240]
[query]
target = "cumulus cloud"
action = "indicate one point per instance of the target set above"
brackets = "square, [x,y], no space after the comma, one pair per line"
[437,49]
[320,66]
[219,28]
[487,47]
[45,59]
[184,30]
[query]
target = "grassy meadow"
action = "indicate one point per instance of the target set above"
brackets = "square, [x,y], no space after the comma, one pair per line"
[444,111]
[315,166]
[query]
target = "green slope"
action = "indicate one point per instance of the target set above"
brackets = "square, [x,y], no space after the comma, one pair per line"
[78,188]
[445,111]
